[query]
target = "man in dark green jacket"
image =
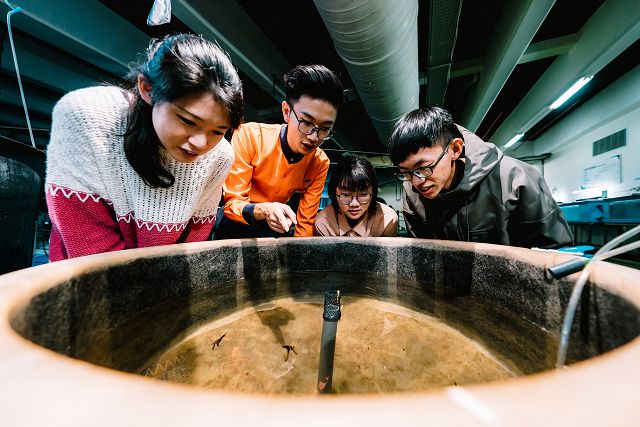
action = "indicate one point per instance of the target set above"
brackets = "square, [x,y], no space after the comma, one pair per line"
[458,187]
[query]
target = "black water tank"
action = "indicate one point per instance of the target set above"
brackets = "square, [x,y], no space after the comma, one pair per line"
[21,182]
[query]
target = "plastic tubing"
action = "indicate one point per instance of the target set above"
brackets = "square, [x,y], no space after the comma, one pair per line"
[602,254]
[15,62]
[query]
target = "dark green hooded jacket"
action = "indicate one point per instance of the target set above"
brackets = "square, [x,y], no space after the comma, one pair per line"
[498,200]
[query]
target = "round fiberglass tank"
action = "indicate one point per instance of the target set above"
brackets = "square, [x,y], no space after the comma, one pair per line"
[229,332]
[21,194]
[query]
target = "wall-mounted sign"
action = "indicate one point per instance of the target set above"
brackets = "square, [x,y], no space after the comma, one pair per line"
[606,172]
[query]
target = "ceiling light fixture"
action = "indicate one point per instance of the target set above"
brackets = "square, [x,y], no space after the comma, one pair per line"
[569,93]
[514,140]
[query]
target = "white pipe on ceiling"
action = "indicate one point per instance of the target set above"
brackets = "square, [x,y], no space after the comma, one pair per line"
[378,43]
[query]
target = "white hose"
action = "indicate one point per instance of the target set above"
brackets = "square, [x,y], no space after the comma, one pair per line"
[15,62]
[602,254]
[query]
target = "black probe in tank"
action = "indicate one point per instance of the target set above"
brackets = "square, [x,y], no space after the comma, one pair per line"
[331,315]
[566,268]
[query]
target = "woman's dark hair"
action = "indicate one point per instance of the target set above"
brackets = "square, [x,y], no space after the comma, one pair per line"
[354,173]
[421,128]
[315,81]
[176,66]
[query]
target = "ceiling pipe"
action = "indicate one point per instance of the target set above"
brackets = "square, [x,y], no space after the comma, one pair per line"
[378,43]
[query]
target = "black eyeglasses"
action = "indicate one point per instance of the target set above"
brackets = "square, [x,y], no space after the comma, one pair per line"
[307,128]
[346,198]
[423,172]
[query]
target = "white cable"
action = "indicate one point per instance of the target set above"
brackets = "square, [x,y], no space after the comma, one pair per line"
[15,62]
[602,254]
[621,250]
[11,139]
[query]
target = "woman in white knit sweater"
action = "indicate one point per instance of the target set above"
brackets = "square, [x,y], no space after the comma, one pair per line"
[144,166]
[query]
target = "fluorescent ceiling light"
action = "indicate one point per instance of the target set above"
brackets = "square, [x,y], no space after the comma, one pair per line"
[569,93]
[514,140]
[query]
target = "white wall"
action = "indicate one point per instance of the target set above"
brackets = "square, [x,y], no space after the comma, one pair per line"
[389,192]
[617,107]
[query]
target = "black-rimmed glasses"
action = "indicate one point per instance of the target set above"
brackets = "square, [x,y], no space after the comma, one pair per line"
[423,172]
[307,128]
[346,198]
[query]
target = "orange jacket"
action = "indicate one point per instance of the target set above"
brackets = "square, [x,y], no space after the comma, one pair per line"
[261,173]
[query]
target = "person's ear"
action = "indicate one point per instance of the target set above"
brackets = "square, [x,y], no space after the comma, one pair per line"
[286,111]
[144,89]
[457,147]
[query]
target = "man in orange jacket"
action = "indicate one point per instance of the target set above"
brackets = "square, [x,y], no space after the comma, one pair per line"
[275,162]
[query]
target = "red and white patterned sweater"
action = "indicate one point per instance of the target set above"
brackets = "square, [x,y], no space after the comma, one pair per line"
[98,203]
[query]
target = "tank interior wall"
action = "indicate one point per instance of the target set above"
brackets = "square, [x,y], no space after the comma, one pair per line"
[121,315]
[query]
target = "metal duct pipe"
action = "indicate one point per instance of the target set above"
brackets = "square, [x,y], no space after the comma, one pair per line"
[378,43]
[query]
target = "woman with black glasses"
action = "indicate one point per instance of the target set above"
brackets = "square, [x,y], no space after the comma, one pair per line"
[354,209]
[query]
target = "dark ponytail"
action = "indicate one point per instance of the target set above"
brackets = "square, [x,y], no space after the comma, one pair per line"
[176,66]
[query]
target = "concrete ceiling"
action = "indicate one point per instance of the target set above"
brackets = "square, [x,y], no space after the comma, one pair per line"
[518,24]
[496,65]
[613,28]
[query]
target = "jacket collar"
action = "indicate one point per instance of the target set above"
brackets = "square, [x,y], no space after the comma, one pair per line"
[481,157]
[286,150]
